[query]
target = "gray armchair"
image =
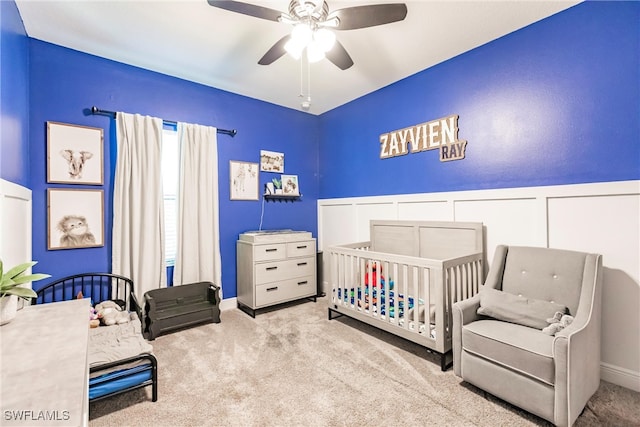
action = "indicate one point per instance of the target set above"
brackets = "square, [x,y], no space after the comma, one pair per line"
[505,352]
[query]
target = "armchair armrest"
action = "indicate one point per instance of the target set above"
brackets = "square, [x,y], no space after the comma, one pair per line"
[466,310]
[576,348]
[463,312]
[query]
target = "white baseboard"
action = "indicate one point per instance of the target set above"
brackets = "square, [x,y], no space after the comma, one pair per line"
[228,304]
[620,376]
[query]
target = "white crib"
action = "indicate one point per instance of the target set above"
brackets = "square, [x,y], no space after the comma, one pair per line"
[407,277]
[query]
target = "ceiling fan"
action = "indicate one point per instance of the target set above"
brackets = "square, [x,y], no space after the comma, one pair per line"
[312,24]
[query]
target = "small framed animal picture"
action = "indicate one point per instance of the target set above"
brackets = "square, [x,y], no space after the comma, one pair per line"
[290,185]
[244,180]
[74,154]
[270,161]
[75,218]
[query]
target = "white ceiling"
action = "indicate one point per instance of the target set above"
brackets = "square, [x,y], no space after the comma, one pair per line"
[191,40]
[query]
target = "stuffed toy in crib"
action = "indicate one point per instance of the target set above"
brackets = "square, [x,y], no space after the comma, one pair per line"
[372,277]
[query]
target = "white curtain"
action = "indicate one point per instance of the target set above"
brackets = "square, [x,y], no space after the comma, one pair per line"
[138,218]
[198,235]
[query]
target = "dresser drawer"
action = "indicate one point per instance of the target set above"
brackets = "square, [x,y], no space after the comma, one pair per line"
[266,272]
[269,252]
[285,290]
[305,248]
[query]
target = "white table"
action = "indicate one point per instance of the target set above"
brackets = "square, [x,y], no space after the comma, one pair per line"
[43,361]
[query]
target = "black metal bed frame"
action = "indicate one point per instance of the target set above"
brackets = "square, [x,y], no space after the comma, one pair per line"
[102,287]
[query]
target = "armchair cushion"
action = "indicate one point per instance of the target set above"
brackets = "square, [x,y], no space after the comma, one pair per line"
[517,308]
[519,348]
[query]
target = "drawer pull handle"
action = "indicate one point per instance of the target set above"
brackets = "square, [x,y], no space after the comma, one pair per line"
[303,283]
[271,268]
[271,250]
[301,263]
[302,247]
[275,288]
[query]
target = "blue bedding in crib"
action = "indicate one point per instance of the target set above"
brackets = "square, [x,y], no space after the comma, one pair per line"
[349,295]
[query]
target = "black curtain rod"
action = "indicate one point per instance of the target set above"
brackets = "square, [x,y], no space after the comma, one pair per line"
[112,114]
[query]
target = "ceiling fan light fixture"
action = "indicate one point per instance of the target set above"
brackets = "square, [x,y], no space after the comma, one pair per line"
[325,39]
[331,21]
[294,48]
[302,34]
[314,52]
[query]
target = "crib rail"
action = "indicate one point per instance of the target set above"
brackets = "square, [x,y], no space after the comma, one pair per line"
[405,295]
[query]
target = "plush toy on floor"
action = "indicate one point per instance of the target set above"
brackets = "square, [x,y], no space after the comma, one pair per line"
[558,322]
[110,313]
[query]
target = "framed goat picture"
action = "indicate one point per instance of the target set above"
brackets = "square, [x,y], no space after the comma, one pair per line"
[74,154]
[244,180]
[75,218]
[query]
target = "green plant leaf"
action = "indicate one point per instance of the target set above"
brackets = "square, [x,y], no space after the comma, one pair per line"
[19,269]
[4,287]
[10,281]
[30,278]
[25,293]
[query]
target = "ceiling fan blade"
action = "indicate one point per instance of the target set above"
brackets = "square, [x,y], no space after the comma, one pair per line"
[352,18]
[339,56]
[276,51]
[247,9]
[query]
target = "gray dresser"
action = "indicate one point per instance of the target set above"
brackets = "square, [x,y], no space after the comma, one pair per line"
[273,267]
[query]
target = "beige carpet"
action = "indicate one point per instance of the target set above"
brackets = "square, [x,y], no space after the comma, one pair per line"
[294,367]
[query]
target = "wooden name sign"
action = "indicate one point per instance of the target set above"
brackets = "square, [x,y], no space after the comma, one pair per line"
[437,134]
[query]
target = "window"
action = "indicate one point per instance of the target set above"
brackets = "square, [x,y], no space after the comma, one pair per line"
[170,176]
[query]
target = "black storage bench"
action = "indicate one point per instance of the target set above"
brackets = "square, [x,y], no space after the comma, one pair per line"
[177,307]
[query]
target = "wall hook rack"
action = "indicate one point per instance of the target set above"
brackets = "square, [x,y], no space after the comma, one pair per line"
[282,198]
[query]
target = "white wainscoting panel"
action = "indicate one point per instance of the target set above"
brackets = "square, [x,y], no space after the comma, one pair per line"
[341,222]
[15,224]
[436,210]
[368,211]
[608,225]
[511,221]
[598,217]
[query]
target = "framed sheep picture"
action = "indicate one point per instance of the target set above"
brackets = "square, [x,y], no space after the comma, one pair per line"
[74,154]
[75,218]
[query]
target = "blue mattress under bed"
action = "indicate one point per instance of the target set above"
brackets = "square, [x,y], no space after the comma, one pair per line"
[124,379]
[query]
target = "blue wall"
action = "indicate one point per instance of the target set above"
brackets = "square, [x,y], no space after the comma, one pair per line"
[14,96]
[554,103]
[64,83]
